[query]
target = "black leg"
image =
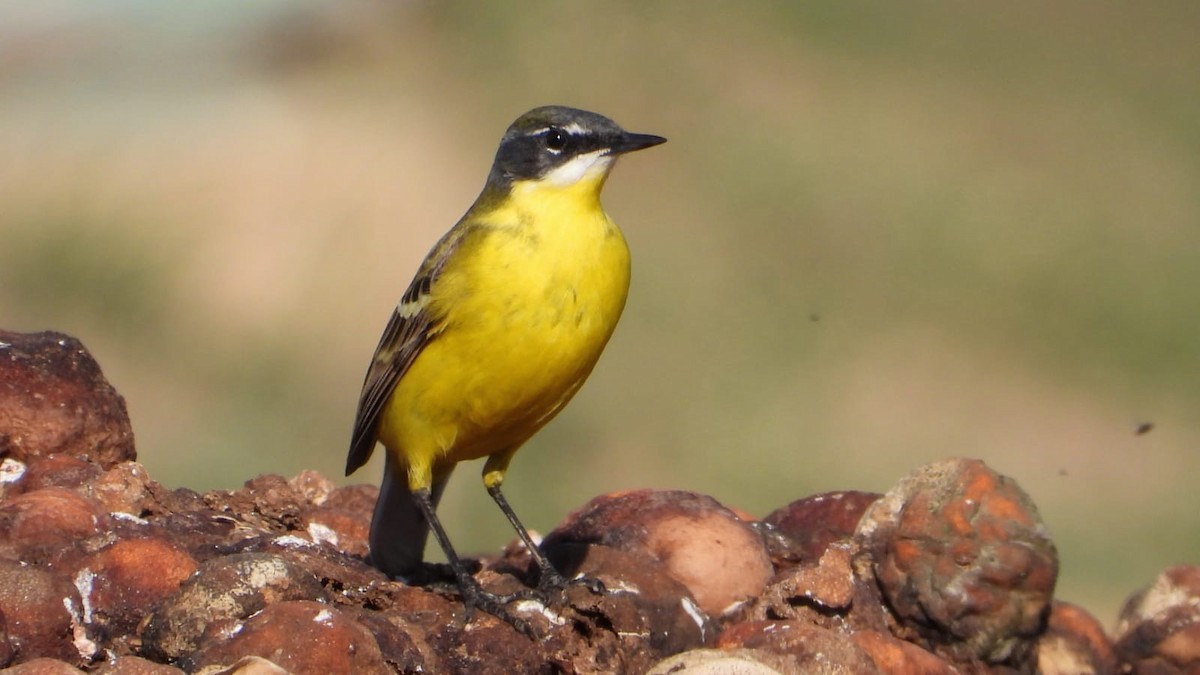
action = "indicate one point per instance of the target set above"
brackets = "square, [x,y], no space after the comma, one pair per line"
[473,594]
[549,579]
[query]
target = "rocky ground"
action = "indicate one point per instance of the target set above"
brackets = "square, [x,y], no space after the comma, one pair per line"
[104,570]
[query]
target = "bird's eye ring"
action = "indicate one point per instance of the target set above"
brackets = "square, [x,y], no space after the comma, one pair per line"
[556,140]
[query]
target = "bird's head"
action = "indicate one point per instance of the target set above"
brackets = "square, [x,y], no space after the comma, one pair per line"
[559,146]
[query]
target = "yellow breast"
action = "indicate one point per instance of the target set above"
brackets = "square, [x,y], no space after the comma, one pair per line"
[529,307]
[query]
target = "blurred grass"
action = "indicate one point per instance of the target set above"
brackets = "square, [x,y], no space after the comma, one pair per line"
[880,234]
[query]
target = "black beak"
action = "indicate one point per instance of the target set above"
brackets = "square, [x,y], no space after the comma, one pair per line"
[628,142]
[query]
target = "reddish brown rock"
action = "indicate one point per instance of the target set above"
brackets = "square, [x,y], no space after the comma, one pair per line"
[43,666]
[8,651]
[268,502]
[728,662]
[65,471]
[224,591]
[897,657]
[249,665]
[811,648]
[203,532]
[1158,630]
[273,576]
[135,665]
[963,561]
[811,524]
[827,592]
[55,400]
[312,486]
[127,580]
[303,637]
[342,518]
[40,610]
[403,646]
[1074,642]
[356,498]
[720,559]
[343,577]
[489,645]
[346,531]
[38,524]
[125,488]
[643,615]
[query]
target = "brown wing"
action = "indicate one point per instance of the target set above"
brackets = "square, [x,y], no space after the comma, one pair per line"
[411,326]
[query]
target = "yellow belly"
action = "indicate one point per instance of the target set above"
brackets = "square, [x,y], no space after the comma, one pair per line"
[528,312]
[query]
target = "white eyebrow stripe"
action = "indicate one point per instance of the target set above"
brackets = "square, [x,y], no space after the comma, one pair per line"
[574,128]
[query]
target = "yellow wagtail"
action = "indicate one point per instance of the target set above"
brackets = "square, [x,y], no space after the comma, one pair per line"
[500,327]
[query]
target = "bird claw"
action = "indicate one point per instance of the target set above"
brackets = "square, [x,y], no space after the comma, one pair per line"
[593,584]
[550,587]
[474,597]
[552,584]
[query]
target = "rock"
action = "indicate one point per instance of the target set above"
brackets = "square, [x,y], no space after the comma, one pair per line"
[55,400]
[345,530]
[964,562]
[402,645]
[488,645]
[342,518]
[720,559]
[201,531]
[223,591]
[126,488]
[808,648]
[120,582]
[39,524]
[301,636]
[38,608]
[643,616]
[65,471]
[811,524]
[723,662]
[103,568]
[314,488]
[1074,642]
[135,665]
[897,657]
[827,592]
[249,665]
[267,502]
[1158,630]
[43,666]
[8,651]
[355,498]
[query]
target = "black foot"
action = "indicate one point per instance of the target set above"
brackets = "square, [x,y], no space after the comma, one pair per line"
[474,597]
[551,584]
[442,578]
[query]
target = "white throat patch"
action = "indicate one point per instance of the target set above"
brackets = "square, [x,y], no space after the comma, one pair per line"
[578,168]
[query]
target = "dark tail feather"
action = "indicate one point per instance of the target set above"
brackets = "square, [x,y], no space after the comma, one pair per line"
[398,530]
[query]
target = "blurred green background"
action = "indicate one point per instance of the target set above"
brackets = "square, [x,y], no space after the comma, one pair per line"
[881,234]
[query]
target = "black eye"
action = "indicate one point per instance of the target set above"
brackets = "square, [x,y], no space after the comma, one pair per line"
[556,140]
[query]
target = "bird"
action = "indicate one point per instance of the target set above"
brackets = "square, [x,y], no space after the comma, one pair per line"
[503,322]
